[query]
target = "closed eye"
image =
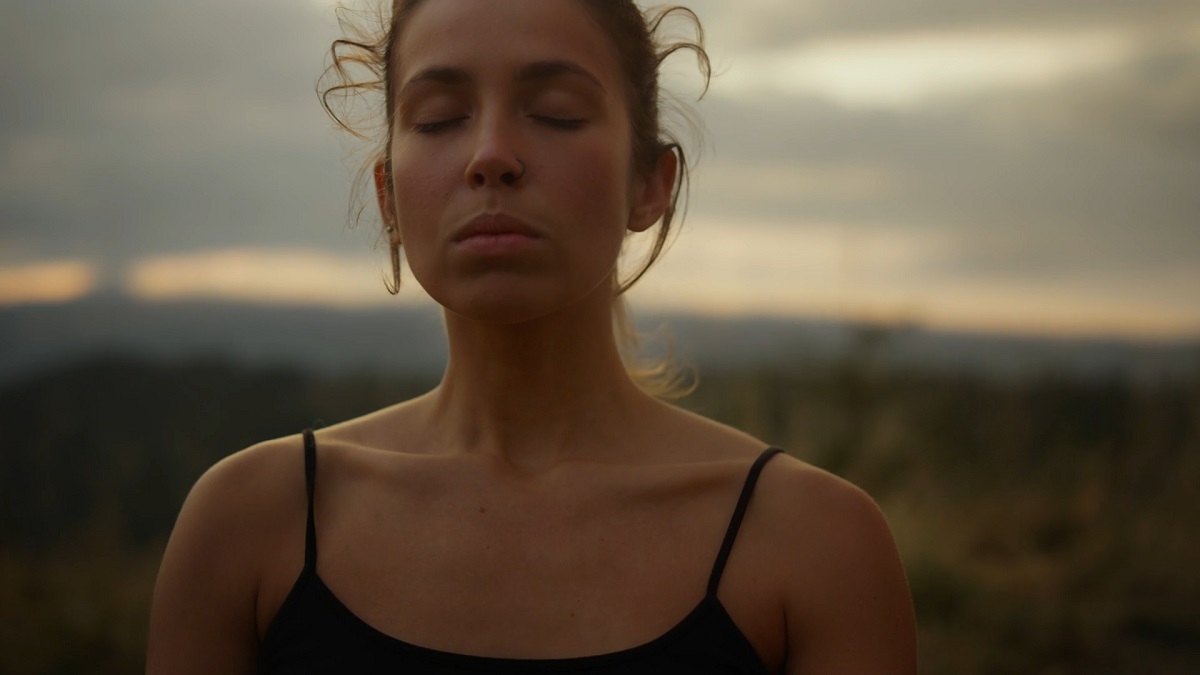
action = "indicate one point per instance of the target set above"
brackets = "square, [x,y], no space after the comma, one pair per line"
[440,125]
[560,122]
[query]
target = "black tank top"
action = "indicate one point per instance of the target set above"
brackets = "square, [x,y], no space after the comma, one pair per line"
[313,632]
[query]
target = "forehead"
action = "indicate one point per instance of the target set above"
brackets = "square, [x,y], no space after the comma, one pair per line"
[482,35]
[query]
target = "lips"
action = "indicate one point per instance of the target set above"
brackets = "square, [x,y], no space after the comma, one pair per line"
[494,225]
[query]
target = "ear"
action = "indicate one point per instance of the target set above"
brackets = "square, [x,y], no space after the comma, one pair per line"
[386,196]
[653,192]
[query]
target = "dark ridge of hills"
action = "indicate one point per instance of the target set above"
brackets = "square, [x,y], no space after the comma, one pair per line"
[35,337]
[410,341]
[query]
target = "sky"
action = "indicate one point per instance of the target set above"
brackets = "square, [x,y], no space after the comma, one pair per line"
[1027,166]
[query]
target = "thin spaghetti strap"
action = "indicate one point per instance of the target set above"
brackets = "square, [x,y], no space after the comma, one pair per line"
[735,523]
[310,480]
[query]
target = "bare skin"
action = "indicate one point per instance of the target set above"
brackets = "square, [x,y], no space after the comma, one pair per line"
[537,503]
[469,552]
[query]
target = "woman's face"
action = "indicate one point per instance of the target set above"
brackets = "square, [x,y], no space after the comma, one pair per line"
[512,179]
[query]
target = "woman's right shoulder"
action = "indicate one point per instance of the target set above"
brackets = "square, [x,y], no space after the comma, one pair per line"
[256,481]
[241,510]
[260,490]
[243,501]
[225,540]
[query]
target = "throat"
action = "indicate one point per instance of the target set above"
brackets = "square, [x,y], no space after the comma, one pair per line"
[536,418]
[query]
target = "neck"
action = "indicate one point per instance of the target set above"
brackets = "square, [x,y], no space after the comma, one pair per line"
[536,393]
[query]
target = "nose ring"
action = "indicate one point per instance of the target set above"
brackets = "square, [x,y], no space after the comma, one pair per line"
[523,170]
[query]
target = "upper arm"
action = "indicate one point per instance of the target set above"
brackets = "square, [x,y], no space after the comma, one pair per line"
[202,618]
[848,608]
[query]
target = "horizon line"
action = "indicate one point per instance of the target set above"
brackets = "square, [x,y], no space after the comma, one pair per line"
[893,321]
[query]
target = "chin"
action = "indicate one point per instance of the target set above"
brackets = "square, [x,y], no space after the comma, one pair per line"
[500,314]
[495,305]
[515,303]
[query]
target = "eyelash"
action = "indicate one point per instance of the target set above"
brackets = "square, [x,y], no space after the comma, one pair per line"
[434,127]
[560,123]
[553,122]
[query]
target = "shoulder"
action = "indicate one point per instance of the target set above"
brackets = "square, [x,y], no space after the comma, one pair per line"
[238,509]
[835,561]
[801,495]
[800,510]
[232,522]
[249,489]
[821,518]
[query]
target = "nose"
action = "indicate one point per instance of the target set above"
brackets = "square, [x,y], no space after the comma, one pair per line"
[495,162]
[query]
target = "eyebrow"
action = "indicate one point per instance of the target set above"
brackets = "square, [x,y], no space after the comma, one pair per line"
[533,72]
[545,70]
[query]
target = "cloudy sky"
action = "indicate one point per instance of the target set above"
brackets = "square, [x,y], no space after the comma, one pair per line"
[1025,165]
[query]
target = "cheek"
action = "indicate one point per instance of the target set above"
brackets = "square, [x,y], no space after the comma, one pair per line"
[421,186]
[596,180]
[599,192]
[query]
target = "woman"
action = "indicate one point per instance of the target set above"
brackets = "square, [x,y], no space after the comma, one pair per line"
[538,511]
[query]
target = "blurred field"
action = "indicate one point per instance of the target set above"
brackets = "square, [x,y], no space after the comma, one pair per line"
[1048,524]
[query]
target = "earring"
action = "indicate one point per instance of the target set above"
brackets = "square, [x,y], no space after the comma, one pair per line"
[393,285]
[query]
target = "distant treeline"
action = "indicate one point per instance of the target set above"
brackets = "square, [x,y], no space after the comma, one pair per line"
[116,442]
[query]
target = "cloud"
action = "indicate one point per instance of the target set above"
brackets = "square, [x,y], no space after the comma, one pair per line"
[1153,97]
[1049,180]
[140,128]
[906,70]
[767,25]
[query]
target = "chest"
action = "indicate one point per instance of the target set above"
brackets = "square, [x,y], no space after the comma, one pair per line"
[514,564]
[536,574]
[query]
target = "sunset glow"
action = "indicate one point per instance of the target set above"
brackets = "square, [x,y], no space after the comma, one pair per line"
[296,277]
[890,275]
[825,270]
[46,281]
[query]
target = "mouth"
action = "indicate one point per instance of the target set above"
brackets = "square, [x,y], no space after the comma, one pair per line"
[494,227]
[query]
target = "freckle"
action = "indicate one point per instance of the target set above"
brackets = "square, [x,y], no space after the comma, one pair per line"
[483,509]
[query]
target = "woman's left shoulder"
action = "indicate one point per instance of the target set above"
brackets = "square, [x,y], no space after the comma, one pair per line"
[798,504]
[836,568]
[818,551]
[806,499]
[807,513]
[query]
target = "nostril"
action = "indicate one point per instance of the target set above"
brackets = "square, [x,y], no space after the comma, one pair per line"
[482,176]
[510,177]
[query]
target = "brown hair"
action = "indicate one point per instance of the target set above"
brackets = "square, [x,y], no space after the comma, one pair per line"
[363,63]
